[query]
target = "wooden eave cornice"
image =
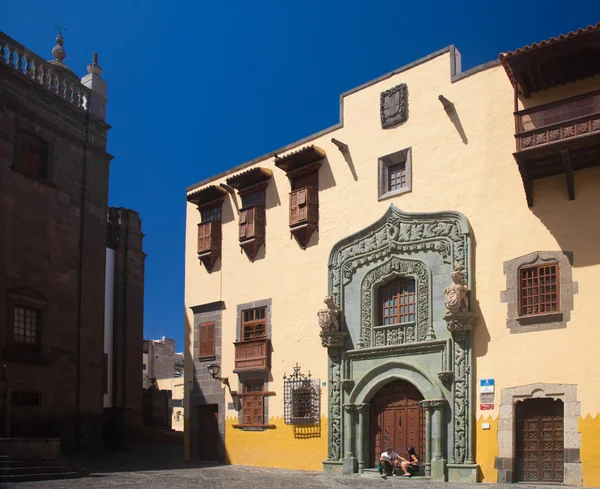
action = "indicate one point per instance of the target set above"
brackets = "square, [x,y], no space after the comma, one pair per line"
[568,58]
[212,194]
[300,159]
[249,178]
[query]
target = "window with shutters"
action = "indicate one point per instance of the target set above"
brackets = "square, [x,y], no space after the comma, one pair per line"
[252,222]
[397,302]
[304,206]
[253,403]
[206,340]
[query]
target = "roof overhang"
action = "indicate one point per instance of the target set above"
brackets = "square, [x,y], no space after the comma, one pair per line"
[559,60]
[207,195]
[299,159]
[249,178]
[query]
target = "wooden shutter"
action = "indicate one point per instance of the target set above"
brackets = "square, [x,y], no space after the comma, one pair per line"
[247,410]
[206,340]
[250,222]
[293,208]
[210,339]
[257,409]
[312,205]
[242,224]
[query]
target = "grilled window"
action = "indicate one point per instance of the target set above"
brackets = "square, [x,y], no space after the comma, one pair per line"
[25,325]
[23,399]
[254,324]
[397,302]
[301,398]
[397,176]
[538,289]
[212,214]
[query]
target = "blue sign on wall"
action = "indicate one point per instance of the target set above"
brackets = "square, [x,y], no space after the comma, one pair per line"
[486,386]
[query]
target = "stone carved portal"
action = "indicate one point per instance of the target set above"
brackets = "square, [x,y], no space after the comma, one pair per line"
[434,251]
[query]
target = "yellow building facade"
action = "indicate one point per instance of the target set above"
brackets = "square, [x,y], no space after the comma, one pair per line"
[436,279]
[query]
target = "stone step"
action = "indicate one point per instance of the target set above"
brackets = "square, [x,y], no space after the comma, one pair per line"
[40,477]
[33,469]
[7,462]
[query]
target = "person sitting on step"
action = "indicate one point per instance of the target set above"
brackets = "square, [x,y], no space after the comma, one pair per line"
[411,465]
[388,462]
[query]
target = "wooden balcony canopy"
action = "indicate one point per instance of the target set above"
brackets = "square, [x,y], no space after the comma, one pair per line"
[300,159]
[559,60]
[206,195]
[249,178]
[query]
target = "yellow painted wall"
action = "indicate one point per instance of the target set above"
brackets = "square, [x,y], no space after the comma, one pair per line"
[478,177]
[282,447]
[175,385]
[590,450]
[487,448]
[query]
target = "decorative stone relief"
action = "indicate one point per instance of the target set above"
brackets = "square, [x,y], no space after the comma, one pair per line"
[401,334]
[456,294]
[328,316]
[393,106]
[399,233]
[461,398]
[335,445]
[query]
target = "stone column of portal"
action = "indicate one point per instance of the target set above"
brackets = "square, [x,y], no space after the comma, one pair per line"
[363,430]
[438,462]
[427,438]
[350,462]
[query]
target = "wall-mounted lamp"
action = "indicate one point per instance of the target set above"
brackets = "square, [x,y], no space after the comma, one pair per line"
[213,370]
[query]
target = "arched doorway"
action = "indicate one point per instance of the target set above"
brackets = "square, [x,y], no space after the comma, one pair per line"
[540,440]
[397,420]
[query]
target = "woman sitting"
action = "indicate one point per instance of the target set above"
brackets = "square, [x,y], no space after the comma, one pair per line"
[410,465]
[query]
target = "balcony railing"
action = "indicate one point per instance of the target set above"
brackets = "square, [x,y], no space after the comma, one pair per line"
[253,355]
[561,121]
[31,66]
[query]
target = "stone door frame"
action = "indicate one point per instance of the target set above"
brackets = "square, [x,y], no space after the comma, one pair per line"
[567,393]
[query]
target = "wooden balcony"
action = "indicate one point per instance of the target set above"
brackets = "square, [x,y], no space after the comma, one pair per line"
[209,243]
[253,355]
[558,138]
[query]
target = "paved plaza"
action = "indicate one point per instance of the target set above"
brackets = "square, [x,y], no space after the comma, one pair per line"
[234,477]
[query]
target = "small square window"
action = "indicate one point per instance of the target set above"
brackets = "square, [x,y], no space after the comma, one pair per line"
[395,174]
[539,289]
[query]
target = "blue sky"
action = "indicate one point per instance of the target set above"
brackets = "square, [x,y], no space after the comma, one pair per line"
[197,87]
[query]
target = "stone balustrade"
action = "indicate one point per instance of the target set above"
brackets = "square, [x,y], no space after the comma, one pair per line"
[56,79]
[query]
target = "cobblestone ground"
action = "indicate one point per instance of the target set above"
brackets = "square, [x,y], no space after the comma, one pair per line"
[238,477]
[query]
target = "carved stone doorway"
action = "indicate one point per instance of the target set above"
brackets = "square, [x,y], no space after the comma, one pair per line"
[397,420]
[540,440]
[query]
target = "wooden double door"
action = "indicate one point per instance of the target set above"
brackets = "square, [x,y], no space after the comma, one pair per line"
[397,420]
[540,441]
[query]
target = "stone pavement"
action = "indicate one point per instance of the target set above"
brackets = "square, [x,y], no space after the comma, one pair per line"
[239,477]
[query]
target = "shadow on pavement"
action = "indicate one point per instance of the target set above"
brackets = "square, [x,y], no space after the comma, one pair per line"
[141,457]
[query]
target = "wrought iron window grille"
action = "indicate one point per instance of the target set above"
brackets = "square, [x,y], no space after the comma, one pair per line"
[301,398]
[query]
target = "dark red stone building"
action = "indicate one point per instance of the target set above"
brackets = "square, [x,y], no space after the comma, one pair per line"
[71,268]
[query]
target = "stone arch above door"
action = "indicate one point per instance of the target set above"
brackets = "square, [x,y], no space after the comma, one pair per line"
[387,372]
